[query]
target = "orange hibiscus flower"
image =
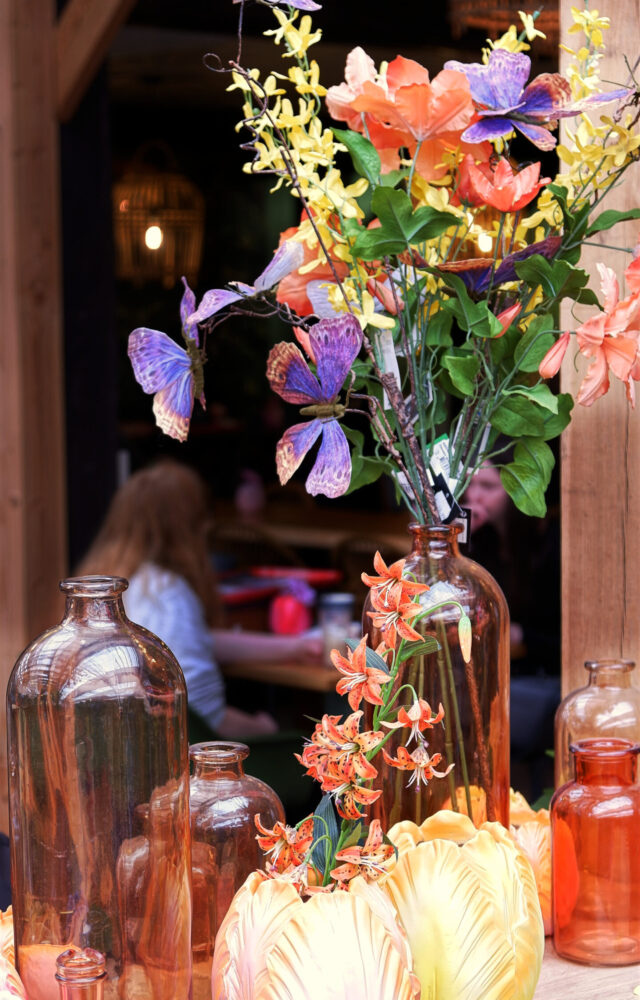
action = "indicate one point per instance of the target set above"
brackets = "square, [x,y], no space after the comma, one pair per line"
[294,288]
[502,188]
[611,338]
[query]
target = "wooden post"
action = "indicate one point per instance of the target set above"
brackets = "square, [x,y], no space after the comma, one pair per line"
[32,470]
[601,448]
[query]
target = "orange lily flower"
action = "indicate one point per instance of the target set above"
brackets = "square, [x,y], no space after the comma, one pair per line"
[287,845]
[418,718]
[348,796]
[611,339]
[367,860]
[391,617]
[504,189]
[338,752]
[419,761]
[390,586]
[360,681]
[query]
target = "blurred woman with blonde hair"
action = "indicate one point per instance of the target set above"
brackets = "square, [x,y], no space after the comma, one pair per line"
[155,535]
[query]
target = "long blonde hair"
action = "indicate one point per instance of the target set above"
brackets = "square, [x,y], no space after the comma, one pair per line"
[161,516]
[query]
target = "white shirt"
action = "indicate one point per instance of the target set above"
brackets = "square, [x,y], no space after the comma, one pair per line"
[165,604]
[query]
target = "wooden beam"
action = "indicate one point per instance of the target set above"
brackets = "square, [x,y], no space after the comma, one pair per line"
[84,33]
[601,447]
[32,471]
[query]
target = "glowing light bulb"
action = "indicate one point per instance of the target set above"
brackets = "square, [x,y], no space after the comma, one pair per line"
[153,237]
[484,242]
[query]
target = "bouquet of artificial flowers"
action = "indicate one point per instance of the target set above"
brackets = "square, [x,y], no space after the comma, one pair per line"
[424,287]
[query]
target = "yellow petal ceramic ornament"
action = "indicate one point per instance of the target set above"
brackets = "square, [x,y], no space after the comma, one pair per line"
[467,900]
[7,949]
[259,911]
[334,946]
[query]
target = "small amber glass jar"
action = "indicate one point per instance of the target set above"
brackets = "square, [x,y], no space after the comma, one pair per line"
[224,802]
[595,832]
[608,706]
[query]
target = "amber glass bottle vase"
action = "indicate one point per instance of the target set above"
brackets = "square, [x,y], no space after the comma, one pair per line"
[97,728]
[475,695]
[595,831]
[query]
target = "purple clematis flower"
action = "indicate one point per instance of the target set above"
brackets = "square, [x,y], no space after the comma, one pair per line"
[504,103]
[335,344]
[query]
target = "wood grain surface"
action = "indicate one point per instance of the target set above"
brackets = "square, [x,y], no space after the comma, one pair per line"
[561,980]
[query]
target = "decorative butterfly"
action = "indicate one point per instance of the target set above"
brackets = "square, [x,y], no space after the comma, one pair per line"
[476,272]
[334,344]
[175,375]
[505,104]
[169,371]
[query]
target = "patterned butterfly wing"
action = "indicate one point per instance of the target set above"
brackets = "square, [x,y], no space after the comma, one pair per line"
[290,376]
[163,367]
[294,445]
[187,307]
[335,344]
[331,473]
[548,98]
[499,84]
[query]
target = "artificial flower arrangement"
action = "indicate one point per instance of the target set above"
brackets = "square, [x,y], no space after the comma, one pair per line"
[424,285]
[395,911]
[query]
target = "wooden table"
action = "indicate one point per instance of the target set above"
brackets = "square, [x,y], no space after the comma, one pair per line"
[309,676]
[561,980]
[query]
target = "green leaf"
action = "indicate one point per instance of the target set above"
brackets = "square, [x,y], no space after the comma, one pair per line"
[540,394]
[428,645]
[558,278]
[364,155]
[462,369]
[365,469]
[324,822]
[536,453]
[400,225]
[473,317]
[535,343]
[393,178]
[555,423]
[438,330]
[518,417]
[610,218]
[525,487]
[505,346]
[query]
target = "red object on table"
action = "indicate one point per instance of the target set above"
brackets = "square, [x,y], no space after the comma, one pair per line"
[288,615]
[314,577]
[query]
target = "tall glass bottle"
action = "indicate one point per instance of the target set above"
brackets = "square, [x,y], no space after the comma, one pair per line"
[224,803]
[475,695]
[595,827]
[609,705]
[81,974]
[96,711]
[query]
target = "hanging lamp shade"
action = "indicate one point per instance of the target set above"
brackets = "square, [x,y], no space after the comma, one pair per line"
[158,225]
[495,16]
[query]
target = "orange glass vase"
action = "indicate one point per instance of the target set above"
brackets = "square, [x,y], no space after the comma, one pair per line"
[595,829]
[608,706]
[224,803]
[97,730]
[475,695]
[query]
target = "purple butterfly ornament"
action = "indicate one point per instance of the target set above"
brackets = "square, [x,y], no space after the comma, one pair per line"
[173,374]
[504,103]
[335,344]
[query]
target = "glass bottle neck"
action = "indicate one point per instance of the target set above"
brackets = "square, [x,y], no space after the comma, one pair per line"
[94,599]
[216,760]
[81,974]
[610,673]
[605,762]
[435,539]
